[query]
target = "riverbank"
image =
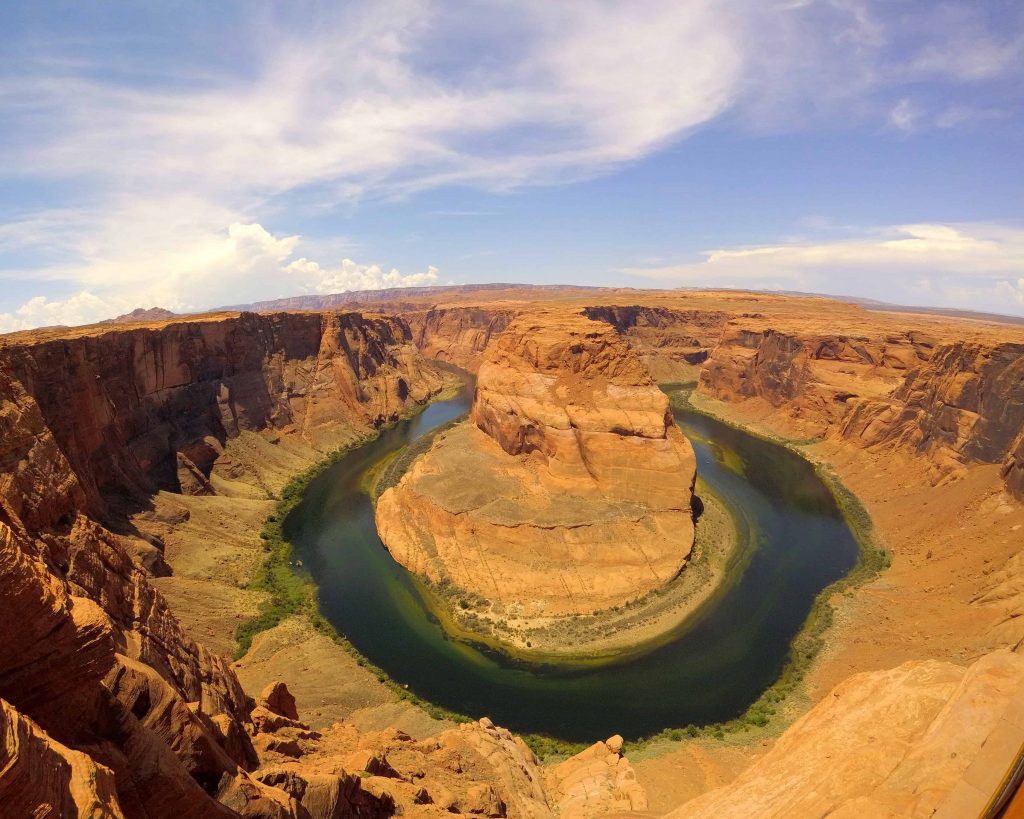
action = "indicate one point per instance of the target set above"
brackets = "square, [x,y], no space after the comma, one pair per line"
[662,611]
[720,548]
[722,542]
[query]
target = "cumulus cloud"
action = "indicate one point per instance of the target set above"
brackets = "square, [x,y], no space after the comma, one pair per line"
[941,264]
[244,263]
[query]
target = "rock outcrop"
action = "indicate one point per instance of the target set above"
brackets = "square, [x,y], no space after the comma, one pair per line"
[104,688]
[910,741]
[40,777]
[951,402]
[476,769]
[569,490]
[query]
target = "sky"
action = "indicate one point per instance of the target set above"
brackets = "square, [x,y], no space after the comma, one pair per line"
[189,155]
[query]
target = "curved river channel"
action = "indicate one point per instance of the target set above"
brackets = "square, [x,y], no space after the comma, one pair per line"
[709,669]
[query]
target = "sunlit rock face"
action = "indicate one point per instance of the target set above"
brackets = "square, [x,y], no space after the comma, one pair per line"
[569,489]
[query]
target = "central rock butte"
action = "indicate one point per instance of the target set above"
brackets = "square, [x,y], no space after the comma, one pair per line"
[568,491]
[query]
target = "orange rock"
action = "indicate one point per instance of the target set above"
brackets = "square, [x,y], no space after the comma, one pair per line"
[570,490]
[884,743]
[278,699]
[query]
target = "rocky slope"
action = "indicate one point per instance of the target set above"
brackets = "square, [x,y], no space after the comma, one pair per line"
[92,661]
[568,492]
[924,739]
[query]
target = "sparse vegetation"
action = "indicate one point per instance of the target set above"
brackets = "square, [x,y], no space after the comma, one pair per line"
[873,559]
[289,593]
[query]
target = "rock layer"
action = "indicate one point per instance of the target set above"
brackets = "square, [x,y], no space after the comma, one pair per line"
[570,489]
[105,689]
[953,402]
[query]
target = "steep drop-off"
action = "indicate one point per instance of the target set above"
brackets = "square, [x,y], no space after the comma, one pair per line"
[953,402]
[672,342]
[93,423]
[109,708]
[458,335]
[569,490]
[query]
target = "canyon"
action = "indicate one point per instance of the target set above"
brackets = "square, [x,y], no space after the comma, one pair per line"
[139,460]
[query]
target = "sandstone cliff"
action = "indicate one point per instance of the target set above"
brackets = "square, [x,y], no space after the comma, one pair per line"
[954,402]
[672,342]
[568,492]
[151,408]
[98,674]
[458,335]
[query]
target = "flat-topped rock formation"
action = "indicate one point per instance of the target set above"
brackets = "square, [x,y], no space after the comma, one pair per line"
[569,490]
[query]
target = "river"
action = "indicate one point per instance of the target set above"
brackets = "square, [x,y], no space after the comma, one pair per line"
[707,670]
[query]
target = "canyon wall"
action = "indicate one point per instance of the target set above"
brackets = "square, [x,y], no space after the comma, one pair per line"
[92,661]
[569,490]
[672,342]
[458,335]
[951,401]
[151,408]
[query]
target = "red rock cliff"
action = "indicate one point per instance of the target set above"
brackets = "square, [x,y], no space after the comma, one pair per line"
[953,402]
[92,660]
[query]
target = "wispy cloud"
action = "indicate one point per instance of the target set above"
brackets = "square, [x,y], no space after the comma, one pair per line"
[390,98]
[922,263]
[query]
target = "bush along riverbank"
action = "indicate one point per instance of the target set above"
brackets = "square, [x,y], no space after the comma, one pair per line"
[289,593]
[768,714]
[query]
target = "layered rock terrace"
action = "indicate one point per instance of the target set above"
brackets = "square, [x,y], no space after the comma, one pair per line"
[568,491]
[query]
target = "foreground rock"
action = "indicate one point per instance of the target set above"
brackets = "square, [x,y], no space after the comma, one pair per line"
[920,738]
[112,707]
[476,769]
[569,491]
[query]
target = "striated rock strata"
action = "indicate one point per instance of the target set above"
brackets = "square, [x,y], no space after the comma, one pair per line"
[458,335]
[954,402]
[101,687]
[569,490]
[672,342]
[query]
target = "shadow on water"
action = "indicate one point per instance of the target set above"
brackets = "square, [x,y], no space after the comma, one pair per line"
[709,670]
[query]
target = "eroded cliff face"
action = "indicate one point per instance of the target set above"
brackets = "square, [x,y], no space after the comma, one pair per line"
[95,671]
[952,402]
[151,408]
[568,491]
[458,335]
[671,342]
[964,405]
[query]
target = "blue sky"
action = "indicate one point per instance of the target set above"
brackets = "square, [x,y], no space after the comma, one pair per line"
[189,154]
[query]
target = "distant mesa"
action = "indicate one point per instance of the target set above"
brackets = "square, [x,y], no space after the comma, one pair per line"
[140,314]
[569,489]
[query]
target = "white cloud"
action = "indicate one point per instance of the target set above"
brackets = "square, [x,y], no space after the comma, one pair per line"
[922,263]
[1013,291]
[389,98]
[904,116]
[353,276]
[197,272]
